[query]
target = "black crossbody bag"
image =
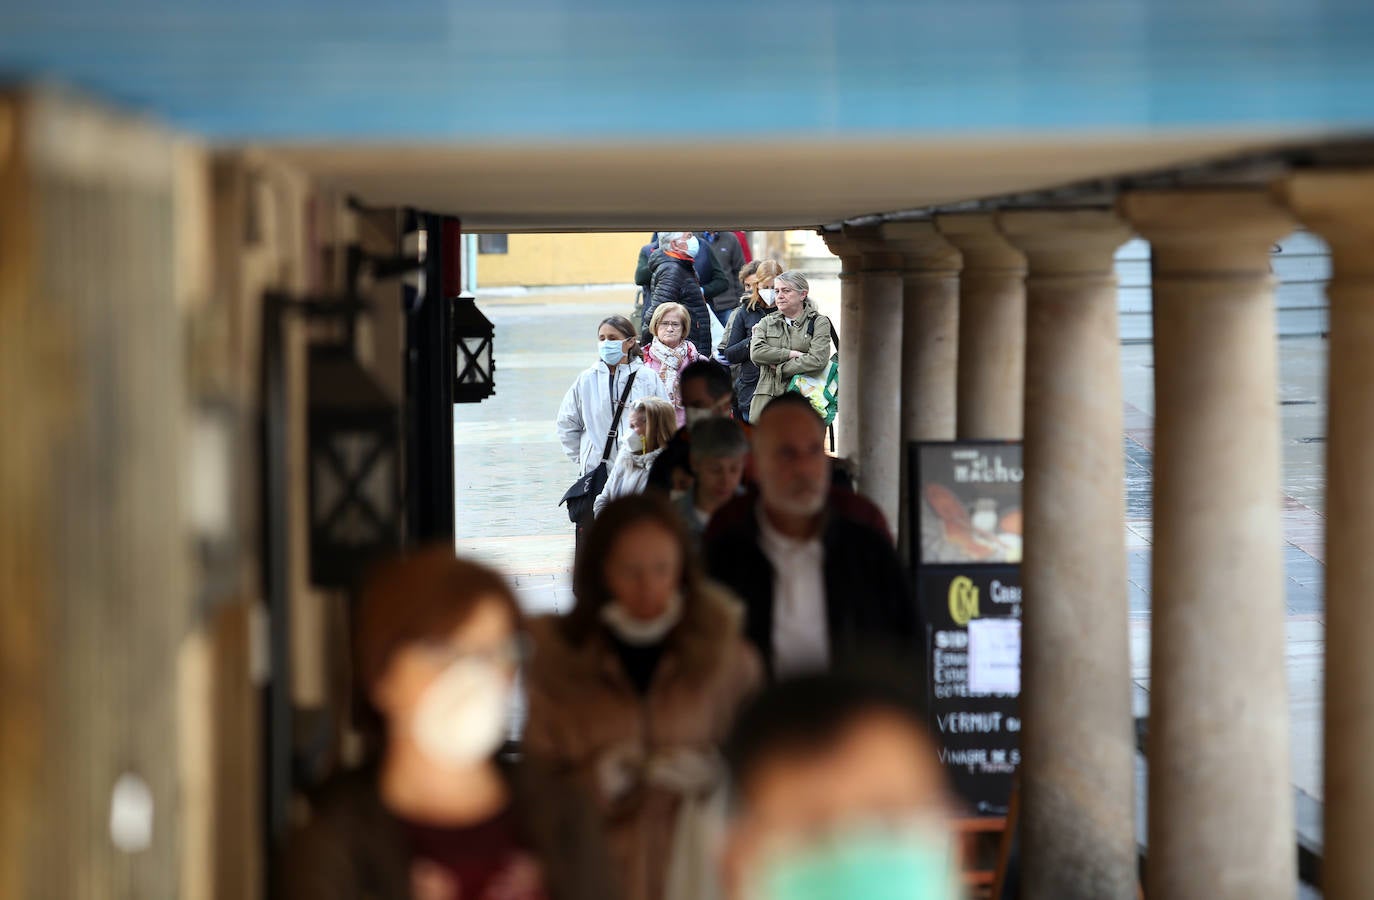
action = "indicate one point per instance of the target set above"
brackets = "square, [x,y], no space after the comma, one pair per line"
[580,497]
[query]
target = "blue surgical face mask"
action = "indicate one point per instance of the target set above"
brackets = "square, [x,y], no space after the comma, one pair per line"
[693,245]
[611,351]
[874,863]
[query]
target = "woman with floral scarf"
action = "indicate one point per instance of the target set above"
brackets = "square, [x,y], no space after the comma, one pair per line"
[670,352]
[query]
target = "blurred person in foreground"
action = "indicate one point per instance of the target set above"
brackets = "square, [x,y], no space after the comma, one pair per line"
[838,795]
[820,583]
[631,693]
[438,817]
[719,450]
[706,393]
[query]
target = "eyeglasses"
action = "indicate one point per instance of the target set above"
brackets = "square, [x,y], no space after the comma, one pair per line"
[508,655]
[669,326]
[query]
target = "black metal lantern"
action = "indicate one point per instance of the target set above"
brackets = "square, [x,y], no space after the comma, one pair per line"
[356,511]
[474,368]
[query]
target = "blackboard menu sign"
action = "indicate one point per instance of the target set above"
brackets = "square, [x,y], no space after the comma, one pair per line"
[973,678]
[967,551]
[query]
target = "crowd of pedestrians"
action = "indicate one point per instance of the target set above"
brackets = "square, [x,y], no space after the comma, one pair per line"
[716,717]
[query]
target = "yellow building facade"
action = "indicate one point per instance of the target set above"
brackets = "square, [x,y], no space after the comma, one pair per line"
[543,260]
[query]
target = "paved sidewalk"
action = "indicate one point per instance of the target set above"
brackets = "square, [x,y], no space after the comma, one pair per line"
[511,471]
[1302,398]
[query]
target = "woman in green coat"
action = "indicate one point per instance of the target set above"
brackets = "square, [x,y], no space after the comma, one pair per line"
[795,340]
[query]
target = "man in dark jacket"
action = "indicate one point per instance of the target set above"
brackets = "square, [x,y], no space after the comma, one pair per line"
[709,272]
[725,249]
[819,588]
[672,279]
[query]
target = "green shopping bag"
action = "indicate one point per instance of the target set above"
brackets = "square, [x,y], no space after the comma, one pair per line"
[822,390]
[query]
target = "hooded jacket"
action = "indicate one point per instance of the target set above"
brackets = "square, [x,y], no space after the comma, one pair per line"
[629,475]
[583,707]
[673,280]
[585,416]
[773,339]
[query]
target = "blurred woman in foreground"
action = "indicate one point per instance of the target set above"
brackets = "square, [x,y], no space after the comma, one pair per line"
[631,693]
[438,817]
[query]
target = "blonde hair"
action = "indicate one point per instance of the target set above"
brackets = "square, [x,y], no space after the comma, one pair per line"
[660,422]
[662,310]
[768,270]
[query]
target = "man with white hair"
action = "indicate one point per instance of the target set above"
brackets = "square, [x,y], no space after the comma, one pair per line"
[673,279]
[819,586]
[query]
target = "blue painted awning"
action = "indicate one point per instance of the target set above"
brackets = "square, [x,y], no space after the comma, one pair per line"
[409,70]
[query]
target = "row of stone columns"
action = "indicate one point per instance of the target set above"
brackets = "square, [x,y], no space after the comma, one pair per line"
[1339,205]
[989,304]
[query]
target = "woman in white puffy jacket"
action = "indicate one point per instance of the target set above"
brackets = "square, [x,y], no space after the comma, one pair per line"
[588,407]
[653,422]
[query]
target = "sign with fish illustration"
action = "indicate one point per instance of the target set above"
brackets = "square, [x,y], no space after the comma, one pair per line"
[965,498]
[967,503]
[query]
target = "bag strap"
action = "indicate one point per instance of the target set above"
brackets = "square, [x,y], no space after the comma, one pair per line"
[811,331]
[615,420]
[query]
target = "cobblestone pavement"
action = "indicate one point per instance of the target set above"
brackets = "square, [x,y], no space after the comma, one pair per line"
[511,471]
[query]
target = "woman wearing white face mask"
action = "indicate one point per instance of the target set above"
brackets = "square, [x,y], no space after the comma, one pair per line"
[632,691]
[652,426]
[438,647]
[757,304]
[584,418]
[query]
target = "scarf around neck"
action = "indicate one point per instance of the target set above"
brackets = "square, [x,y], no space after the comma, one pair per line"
[673,360]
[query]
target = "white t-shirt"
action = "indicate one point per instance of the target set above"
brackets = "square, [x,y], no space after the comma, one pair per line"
[801,636]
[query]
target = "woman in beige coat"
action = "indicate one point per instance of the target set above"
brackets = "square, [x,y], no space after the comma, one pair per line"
[795,340]
[631,693]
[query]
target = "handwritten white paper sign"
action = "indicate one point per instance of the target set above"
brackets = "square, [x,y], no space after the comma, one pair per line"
[994,657]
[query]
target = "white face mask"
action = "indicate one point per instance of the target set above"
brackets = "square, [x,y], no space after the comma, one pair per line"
[611,351]
[641,632]
[460,719]
[692,415]
[635,442]
[769,295]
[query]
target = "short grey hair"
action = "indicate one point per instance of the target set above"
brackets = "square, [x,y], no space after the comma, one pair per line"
[718,438]
[667,237]
[795,280]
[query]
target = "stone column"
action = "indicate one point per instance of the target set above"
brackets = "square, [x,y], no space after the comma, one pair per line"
[1077,739]
[880,385]
[930,342]
[1221,801]
[992,327]
[851,364]
[1340,207]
